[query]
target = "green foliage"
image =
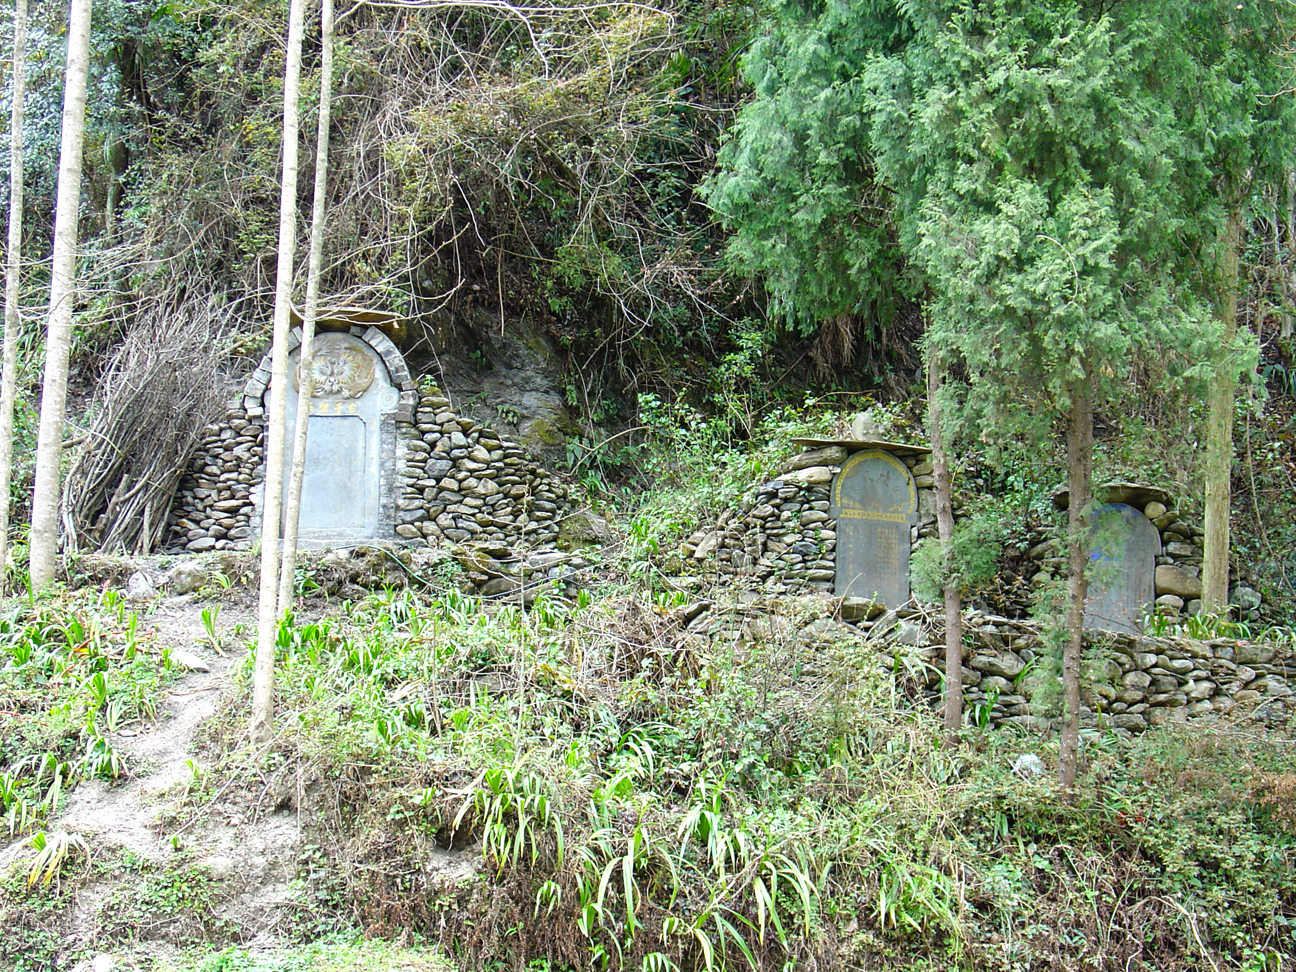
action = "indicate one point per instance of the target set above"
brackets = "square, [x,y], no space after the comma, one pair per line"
[973,560]
[71,673]
[330,953]
[179,895]
[1046,263]
[647,802]
[796,176]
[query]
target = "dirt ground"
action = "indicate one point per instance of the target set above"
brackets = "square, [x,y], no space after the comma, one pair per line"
[250,857]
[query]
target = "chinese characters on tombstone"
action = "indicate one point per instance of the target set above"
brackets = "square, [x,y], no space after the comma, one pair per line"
[876,503]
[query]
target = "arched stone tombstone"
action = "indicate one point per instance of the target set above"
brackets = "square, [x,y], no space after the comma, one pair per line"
[350,441]
[875,502]
[1122,583]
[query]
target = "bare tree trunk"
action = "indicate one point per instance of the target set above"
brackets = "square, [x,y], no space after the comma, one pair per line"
[1219,434]
[13,277]
[945,529]
[1289,276]
[58,343]
[305,371]
[262,724]
[1079,477]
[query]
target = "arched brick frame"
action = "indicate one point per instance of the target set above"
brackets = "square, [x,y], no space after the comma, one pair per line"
[258,382]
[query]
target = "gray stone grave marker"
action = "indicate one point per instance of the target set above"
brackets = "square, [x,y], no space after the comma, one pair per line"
[875,502]
[342,484]
[1122,581]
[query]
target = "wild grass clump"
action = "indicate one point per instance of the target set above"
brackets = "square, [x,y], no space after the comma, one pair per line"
[638,796]
[72,670]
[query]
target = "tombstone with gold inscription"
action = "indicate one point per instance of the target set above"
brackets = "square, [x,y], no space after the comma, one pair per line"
[875,502]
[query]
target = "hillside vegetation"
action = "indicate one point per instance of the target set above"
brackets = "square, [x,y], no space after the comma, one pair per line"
[705,228]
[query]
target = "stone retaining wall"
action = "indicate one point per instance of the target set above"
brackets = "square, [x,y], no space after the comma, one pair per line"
[463,482]
[1130,683]
[444,478]
[782,539]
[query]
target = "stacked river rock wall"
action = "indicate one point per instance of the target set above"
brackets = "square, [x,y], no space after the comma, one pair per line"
[782,540]
[1132,682]
[444,478]
[463,482]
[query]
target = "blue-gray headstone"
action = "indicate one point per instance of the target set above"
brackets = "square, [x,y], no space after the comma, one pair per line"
[342,484]
[1122,568]
[875,502]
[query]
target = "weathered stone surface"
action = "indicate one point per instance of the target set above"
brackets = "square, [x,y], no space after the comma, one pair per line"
[139,587]
[1177,581]
[1245,598]
[826,456]
[1122,586]
[875,502]
[500,586]
[1004,664]
[859,608]
[185,577]
[1129,720]
[811,474]
[581,529]
[188,660]
[1137,680]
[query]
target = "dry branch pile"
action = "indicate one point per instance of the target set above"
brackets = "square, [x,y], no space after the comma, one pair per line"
[163,385]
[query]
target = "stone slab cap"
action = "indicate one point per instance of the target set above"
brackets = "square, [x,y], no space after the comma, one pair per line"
[1137,495]
[343,318]
[855,445]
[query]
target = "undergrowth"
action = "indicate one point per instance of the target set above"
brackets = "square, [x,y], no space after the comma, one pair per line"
[640,797]
[72,671]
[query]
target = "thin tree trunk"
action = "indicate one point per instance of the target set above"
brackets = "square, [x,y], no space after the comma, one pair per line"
[1219,433]
[58,342]
[1079,477]
[1289,275]
[305,370]
[262,724]
[13,277]
[945,530]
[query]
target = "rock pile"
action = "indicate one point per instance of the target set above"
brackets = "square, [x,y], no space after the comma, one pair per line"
[213,509]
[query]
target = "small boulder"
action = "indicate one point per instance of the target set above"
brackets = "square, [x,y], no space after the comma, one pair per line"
[1245,598]
[1177,581]
[139,587]
[859,609]
[827,456]
[1004,664]
[500,587]
[185,577]
[811,474]
[187,659]
[1028,766]
[583,529]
